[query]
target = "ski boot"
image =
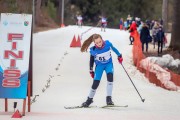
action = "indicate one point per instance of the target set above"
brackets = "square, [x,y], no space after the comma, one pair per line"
[88,102]
[109,100]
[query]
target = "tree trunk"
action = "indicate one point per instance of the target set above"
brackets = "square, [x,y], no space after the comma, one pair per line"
[44,2]
[165,15]
[38,11]
[59,11]
[175,37]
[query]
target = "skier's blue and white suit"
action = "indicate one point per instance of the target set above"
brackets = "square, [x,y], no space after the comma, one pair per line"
[103,59]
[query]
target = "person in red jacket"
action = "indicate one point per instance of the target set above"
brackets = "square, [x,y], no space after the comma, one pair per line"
[132,30]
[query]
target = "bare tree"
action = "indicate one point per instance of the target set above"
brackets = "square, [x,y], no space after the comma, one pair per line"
[175,38]
[37,11]
[59,11]
[165,14]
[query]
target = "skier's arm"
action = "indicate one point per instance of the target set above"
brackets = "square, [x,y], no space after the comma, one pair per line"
[115,50]
[91,62]
[120,59]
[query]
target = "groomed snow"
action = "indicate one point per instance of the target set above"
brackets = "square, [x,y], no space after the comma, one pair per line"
[67,71]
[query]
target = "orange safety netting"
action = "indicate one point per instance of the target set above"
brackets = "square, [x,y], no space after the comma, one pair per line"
[172,83]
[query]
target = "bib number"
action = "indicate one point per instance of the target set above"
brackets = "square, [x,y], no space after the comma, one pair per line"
[102,59]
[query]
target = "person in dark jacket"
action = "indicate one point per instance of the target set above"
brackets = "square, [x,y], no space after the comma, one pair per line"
[160,38]
[144,36]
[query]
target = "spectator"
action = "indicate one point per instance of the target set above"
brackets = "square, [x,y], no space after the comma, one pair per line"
[132,31]
[160,38]
[125,25]
[121,24]
[140,27]
[148,23]
[144,36]
[129,20]
[154,32]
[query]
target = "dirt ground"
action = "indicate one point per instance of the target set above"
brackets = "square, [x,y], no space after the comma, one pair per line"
[154,51]
[41,29]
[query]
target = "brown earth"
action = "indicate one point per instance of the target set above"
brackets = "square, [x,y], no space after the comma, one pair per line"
[153,52]
[47,23]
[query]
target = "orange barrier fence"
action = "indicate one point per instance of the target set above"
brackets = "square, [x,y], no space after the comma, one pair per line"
[175,78]
[171,82]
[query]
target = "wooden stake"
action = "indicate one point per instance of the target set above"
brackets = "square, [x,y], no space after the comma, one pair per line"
[29,96]
[24,107]
[6,104]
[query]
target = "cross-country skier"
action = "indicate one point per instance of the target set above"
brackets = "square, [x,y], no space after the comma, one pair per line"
[103,23]
[100,54]
[79,20]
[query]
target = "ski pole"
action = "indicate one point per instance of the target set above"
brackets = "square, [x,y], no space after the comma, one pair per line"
[133,84]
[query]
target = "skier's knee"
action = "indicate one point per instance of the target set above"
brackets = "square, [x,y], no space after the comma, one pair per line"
[110,77]
[95,84]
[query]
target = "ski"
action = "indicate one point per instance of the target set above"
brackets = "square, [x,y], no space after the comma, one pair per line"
[115,106]
[76,107]
[106,106]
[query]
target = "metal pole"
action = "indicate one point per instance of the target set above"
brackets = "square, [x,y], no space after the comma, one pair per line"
[33,9]
[133,84]
[62,14]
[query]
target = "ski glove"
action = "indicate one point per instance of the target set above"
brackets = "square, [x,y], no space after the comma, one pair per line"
[120,59]
[92,73]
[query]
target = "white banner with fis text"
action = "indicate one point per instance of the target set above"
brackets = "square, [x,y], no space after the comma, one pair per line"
[15,35]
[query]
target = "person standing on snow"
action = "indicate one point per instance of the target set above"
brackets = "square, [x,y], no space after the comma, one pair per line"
[144,36]
[129,20]
[121,24]
[100,54]
[154,32]
[125,25]
[140,27]
[132,30]
[103,23]
[160,38]
[79,20]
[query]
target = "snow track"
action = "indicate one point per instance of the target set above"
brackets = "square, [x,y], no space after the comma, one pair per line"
[66,71]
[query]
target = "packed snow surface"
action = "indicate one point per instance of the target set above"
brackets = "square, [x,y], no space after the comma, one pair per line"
[61,78]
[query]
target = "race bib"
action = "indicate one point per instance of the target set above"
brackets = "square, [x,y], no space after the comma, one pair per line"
[103,57]
[103,20]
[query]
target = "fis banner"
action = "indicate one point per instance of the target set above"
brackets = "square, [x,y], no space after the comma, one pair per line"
[15,34]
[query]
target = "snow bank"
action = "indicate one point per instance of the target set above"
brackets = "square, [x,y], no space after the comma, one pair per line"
[155,64]
[165,61]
